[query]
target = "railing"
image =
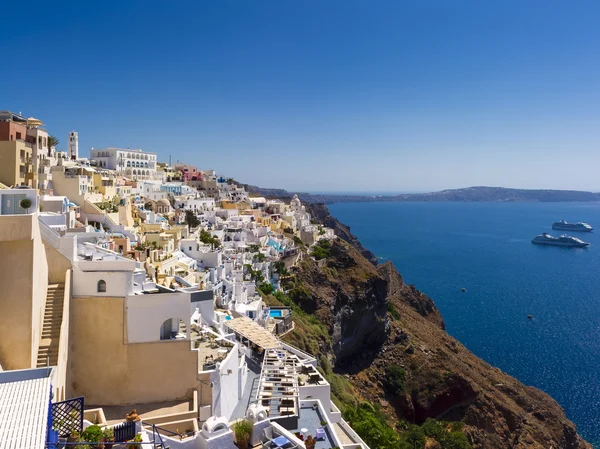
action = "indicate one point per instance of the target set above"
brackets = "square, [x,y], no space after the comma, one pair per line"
[170,433]
[156,441]
[67,416]
[124,431]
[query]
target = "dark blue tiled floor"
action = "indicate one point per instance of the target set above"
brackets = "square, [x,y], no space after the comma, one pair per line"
[311,420]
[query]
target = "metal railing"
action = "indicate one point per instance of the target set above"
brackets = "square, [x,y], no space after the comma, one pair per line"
[179,435]
[156,442]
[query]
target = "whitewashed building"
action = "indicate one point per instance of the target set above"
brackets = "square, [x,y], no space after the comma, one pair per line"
[134,164]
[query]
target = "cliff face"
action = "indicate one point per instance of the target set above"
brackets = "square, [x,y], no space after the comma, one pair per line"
[320,212]
[353,298]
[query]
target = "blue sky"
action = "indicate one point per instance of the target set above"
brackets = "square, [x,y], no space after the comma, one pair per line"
[321,95]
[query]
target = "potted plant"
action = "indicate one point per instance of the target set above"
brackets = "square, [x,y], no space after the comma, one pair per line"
[242,430]
[74,437]
[323,422]
[310,442]
[108,437]
[25,204]
[315,406]
[135,443]
[92,434]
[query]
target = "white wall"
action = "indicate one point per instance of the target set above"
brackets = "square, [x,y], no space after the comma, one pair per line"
[225,386]
[243,375]
[222,441]
[201,252]
[118,283]
[316,392]
[147,313]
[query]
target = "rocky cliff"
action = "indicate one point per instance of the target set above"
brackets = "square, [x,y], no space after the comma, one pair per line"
[374,320]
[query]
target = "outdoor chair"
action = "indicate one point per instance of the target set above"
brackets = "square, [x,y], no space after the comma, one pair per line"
[267,437]
[320,434]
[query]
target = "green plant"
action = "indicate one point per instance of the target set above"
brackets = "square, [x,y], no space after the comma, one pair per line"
[74,437]
[52,141]
[92,434]
[414,437]
[323,422]
[108,434]
[266,288]
[395,377]
[322,249]
[191,219]
[207,238]
[25,204]
[371,425]
[393,311]
[134,444]
[280,268]
[242,431]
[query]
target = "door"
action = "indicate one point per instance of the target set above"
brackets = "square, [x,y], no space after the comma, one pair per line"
[8,205]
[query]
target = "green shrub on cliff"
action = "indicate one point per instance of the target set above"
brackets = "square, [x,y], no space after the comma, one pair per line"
[448,434]
[372,427]
[393,311]
[266,288]
[395,378]
[322,249]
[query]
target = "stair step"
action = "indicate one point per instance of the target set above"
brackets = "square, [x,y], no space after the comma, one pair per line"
[51,324]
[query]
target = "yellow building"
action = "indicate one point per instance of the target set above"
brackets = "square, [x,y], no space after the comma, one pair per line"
[231,205]
[104,183]
[15,163]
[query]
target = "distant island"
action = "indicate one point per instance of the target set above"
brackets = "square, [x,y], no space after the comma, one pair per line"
[468,194]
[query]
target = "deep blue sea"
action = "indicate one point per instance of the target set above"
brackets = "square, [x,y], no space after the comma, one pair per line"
[486,248]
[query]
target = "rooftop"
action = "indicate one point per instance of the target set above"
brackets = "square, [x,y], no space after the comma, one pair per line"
[24,408]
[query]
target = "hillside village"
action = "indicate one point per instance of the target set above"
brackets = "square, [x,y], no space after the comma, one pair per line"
[132,307]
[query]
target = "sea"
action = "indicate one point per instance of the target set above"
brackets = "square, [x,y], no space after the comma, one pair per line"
[486,249]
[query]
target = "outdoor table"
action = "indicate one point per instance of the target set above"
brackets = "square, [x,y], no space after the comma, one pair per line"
[281,441]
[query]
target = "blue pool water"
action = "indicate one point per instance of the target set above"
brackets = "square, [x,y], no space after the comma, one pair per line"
[486,248]
[275,313]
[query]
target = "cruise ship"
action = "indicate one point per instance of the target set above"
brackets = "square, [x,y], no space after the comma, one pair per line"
[564,226]
[563,240]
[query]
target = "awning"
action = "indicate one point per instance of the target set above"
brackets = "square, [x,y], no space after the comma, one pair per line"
[250,330]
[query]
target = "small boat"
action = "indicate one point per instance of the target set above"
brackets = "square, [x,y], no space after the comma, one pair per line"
[530,316]
[463,290]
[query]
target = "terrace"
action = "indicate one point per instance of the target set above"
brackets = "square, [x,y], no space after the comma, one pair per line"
[211,349]
[278,387]
[313,422]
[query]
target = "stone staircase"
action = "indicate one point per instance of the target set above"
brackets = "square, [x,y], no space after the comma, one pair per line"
[50,337]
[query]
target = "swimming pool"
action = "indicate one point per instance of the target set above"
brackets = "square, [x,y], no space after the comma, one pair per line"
[275,313]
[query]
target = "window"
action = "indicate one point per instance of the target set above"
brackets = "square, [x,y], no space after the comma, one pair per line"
[101,286]
[190,248]
[18,135]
